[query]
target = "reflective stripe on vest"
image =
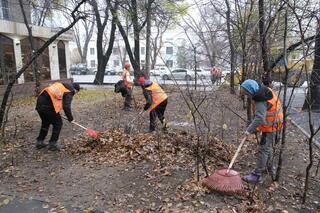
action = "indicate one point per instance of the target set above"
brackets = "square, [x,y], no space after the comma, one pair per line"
[158,95]
[56,92]
[274,115]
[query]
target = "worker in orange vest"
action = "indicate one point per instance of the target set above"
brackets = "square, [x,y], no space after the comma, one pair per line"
[268,120]
[49,103]
[128,83]
[216,75]
[156,104]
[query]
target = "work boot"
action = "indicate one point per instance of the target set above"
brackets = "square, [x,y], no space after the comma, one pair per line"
[165,124]
[151,129]
[40,144]
[252,178]
[53,146]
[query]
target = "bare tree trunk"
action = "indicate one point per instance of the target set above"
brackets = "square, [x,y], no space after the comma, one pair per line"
[103,58]
[263,44]
[232,48]
[312,100]
[136,36]
[148,39]
[33,49]
[134,61]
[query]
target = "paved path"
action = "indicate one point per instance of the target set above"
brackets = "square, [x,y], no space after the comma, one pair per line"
[12,204]
[299,118]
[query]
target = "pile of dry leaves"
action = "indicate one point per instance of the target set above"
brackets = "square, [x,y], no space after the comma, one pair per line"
[173,148]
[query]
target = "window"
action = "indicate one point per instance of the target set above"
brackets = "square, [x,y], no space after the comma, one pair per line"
[116,51]
[4,9]
[43,61]
[62,60]
[169,50]
[169,63]
[91,51]
[93,63]
[116,63]
[7,60]
[143,50]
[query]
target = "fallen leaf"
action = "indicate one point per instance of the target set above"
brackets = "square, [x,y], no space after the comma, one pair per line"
[6,201]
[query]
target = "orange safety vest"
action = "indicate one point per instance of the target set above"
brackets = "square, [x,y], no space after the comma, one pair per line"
[158,95]
[56,92]
[127,84]
[274,115]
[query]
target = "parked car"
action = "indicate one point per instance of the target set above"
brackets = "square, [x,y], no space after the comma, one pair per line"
[79,70]
[203,74]
[110,72]
[163,72]
[182,74]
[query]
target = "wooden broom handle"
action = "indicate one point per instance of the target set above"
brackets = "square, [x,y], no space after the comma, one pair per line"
[236,155]
[79,125]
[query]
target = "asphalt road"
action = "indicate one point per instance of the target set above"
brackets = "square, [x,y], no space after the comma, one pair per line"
[112,79]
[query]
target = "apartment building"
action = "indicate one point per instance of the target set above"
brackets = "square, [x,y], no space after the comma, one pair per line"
[171,42]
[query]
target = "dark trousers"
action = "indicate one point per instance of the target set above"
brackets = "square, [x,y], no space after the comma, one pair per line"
[158,111]
[128,99]
[49,117]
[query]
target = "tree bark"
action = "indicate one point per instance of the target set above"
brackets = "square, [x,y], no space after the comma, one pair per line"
[232,48]
[33,49]
[134,61]
[263,44]
[102,57]
[136,37]
[148,40]
[312,100]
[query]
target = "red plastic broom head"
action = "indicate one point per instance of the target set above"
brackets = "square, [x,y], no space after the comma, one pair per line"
[92,133]
[225,181]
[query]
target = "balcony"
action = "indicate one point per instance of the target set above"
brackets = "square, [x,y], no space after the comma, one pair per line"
[5,13]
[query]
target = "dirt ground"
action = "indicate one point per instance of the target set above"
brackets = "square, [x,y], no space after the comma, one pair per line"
[146,172]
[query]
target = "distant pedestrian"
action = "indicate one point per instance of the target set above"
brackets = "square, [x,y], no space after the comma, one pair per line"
[49,103]
[128,83]
[268,120]
[156,104]
[216,75]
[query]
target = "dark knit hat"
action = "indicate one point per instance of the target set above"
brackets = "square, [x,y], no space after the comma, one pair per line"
[76,86]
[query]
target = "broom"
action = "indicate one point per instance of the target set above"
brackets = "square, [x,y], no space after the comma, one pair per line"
[226,180]
[90,132]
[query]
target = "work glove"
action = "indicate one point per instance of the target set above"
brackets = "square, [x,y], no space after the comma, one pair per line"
[146,107]
[70,120]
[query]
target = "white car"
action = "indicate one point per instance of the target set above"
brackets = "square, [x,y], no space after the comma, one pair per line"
[182,74]
[163,72]
[203,74]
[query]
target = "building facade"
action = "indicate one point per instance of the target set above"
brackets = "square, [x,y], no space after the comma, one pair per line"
[169,48]
[15,48]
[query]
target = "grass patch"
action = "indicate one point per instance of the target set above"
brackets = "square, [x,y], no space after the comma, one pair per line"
[87,94]
[93,93]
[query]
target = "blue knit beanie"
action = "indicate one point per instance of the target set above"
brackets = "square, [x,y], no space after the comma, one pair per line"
[251,86]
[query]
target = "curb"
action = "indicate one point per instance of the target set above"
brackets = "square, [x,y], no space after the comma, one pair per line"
[316,142]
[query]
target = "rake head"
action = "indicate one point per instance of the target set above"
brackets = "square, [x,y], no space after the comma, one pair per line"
[93,133]
[223,181]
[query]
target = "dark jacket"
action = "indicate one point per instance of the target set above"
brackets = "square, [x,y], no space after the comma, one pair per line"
[120,87]
[147,94]
[263,94]
[44,102]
